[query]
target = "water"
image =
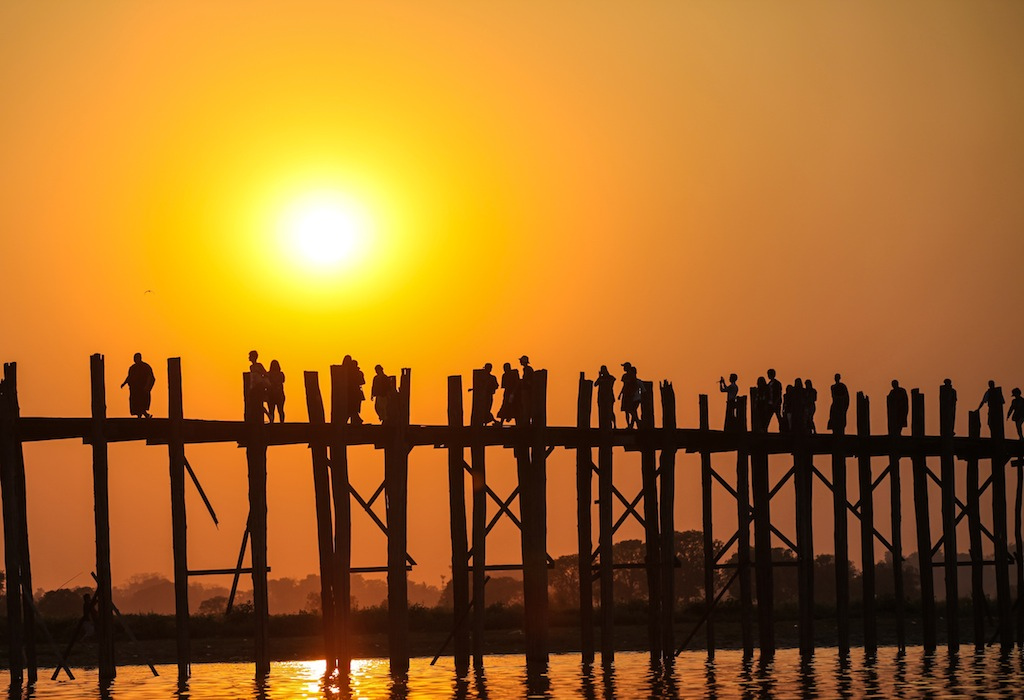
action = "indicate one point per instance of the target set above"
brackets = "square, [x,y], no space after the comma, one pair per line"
[891,675]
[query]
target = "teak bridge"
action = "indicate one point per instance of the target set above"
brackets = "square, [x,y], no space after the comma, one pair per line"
[532,440]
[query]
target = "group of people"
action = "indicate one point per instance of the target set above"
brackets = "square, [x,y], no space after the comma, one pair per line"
[516,397]
[792,409]
[266,387]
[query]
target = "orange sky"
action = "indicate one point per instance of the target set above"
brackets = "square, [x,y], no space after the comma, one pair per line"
[698,188]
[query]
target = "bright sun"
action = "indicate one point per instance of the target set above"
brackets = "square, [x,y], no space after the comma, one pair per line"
[325,231]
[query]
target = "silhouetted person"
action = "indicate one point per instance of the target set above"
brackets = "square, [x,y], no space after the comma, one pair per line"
[631,395]
[89,617]
[605,384]
[355,397]
[897,405]
[810,406]
[840,407]
[797,407]
[732,392]
[140,381]
[1016,412]
[275,391]
[994,398]
[760,412]
[947,407]
[774,401]
[525,393]
[510,387]
[483,398]
[259,384]
[381,392]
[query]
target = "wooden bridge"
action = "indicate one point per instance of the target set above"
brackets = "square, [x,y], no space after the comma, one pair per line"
[531,441]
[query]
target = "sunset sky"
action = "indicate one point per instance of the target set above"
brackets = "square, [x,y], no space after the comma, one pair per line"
[696,187]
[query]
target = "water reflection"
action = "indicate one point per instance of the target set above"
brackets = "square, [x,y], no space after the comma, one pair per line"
[826,675]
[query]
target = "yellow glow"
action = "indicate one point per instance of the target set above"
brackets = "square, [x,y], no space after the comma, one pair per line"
[325,231]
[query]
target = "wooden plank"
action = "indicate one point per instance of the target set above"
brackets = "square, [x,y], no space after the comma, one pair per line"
[652,538]
[666,504]
[457,528]
[532,467]
[341,580]
[919,465]
[606,538]
[584,539]
[978,605]
[867,529]
[324,524]
[256,468]
[947,414]
[743,529]
[101,495]
[179,534]
[12,521]
[760,483]
[707,523]
[396,487]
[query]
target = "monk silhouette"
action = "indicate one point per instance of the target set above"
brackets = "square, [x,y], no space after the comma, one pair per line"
[994,398]
[840,407]
[947,407]
[483,398]
[897,404]
[605,384]
[140,381]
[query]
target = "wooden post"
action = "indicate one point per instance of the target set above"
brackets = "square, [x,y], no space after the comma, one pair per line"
[667,504]
[324,526]
[999,533]
[256,461]
[478,465]
[179,537]
[101,492]
[974,532]
[896,507]
[803,480]
[532,467]
[585,540]
[457,520]
[924,537]
[867,525]
[606,545]
[743,531]
[841,543]
[1018,517]
[652,539]
[761,488]
[341,582]
[12,520]
[708,530]
[947,411]
[28,609]
[396,489]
